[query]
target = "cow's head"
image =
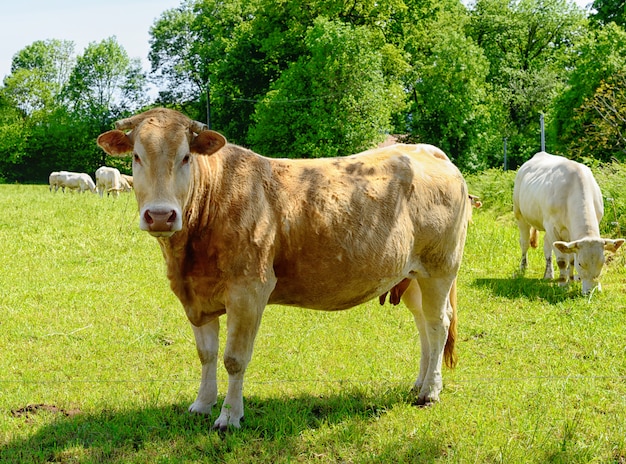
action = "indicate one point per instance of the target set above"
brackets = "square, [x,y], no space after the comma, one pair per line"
[161,142]
[589,257]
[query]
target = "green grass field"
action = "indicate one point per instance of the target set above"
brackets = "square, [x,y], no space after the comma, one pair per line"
[98,362]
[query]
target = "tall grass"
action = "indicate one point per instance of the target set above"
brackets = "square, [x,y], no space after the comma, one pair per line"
[98,363]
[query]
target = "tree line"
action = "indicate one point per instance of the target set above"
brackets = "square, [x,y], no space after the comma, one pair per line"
[321,78]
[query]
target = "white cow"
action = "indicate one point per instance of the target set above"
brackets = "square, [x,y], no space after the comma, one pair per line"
[72,180]
[562,198]
[129,180]
[126,187]
[54,181]
[108,180]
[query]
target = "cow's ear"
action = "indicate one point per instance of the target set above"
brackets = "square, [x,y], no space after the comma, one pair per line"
[565,247]
[207,142]
[613,245]
[115,143]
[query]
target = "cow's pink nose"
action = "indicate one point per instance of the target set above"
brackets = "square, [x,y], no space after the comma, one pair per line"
[160,221]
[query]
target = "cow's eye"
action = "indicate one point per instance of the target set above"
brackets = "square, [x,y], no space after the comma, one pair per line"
[136,158]
[186,159]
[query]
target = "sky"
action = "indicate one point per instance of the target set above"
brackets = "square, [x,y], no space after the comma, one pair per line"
[23,22]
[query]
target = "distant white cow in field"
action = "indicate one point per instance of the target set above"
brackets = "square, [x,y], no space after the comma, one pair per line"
[562,198]
[72,180]
[54,181]
[124,183]
[108,180]
[129,181]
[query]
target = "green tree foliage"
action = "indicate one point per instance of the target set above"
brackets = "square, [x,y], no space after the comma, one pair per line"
[176,64]
[12,140]
[334,100]
[602,55]
[190,46]
[105,83]
[604,119]
[53,106]
[448,108]
[330,77]
[607,11]
[264,39]
[528,44]
[39,72]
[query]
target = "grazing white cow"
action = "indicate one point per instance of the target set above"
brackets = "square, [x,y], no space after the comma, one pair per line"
[239,231]
[127,182]
[71,180]
[108,180]
[54,181]
[562,198]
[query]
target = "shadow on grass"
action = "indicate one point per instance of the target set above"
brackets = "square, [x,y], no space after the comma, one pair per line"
[274,430]
[532,289]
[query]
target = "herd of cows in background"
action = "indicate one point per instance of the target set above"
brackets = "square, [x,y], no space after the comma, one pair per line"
[108,180]
[239,231]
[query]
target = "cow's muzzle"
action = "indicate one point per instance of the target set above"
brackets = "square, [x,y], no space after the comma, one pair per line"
[160,222]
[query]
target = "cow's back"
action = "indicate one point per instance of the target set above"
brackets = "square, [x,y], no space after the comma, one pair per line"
[330,226]
[554,189]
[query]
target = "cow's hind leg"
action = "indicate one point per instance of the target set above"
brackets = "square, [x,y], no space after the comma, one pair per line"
[412,298]
[428,301]
[524,241]
[207,344]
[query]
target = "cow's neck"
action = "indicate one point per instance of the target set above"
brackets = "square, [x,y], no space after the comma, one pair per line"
[583,221]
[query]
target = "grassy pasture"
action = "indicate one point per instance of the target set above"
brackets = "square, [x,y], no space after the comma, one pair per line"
[98,363]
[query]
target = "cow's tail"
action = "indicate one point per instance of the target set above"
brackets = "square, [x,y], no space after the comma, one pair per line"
[449,352]
[534,237]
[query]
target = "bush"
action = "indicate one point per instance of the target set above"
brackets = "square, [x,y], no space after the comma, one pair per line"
[495,189]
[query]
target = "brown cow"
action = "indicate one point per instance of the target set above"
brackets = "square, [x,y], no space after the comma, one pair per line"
[239,231]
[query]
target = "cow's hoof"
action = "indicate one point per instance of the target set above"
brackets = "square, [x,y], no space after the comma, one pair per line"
[424,402]
[198,407]
[224,424]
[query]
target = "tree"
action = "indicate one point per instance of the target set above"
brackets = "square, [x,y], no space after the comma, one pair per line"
[175,62]
[334,100]
[12,140]
[189,46]
[53,106]
[39,73]
[604,121]
[449,93]
[607,11]
[105,83]
[528,44]
[601,55]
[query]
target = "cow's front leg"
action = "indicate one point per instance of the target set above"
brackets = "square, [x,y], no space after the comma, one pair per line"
[547,252]
[207,344]
[566,269]
[571,268]
[243,312]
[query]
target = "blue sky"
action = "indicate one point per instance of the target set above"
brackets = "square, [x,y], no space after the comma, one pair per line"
[23,22]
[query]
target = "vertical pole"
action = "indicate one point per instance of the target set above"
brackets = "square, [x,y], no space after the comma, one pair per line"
[543,133]
[208,102]
[505,161]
